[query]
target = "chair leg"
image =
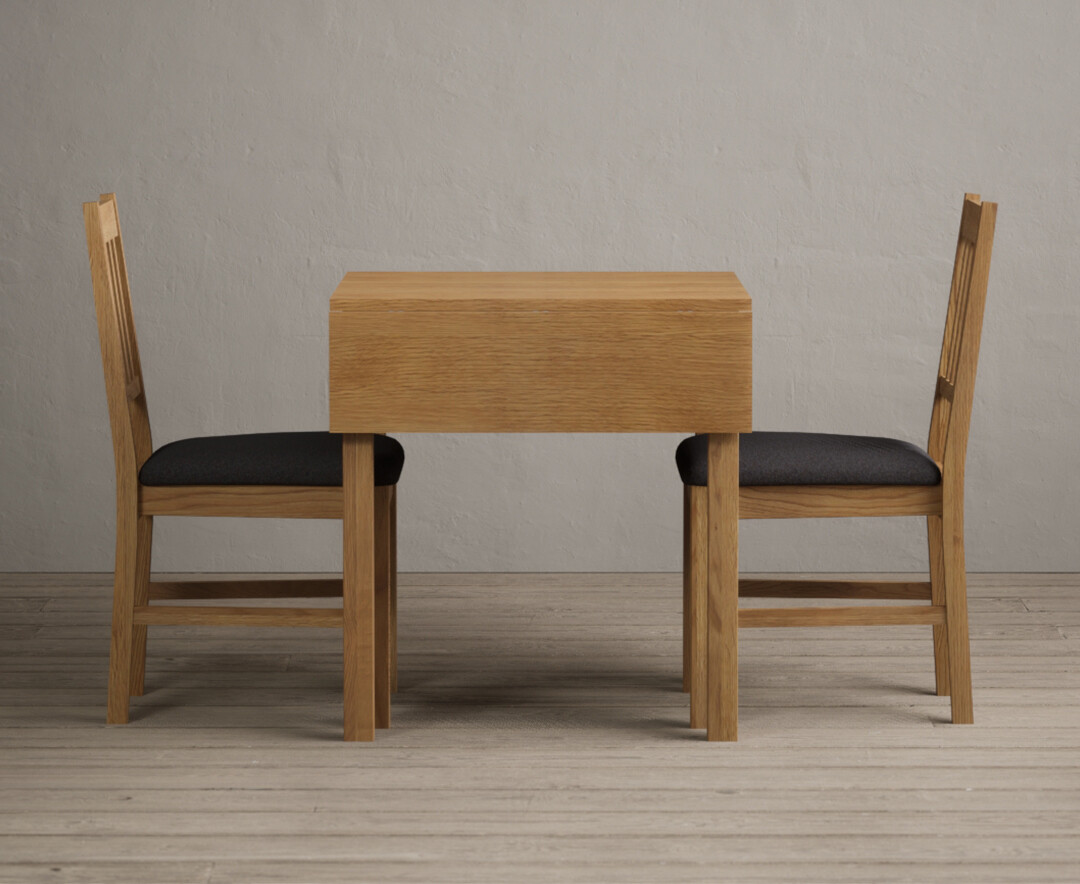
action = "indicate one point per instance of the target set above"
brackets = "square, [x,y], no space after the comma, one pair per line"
[145,533]
[956,613]
[382,606]
[697,530]
[393,589]
[125,578]
[937,597]
[687,600]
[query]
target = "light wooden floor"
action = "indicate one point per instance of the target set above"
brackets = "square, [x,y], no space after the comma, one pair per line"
[540,734]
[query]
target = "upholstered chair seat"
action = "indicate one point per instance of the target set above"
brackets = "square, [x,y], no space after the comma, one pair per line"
[814,459]
[307,458]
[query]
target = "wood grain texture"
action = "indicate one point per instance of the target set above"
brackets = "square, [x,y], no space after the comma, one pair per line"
[244,501]
[466,354]
[954,393]
[846,770]
[950,424]
[723,587]
[144,532]
[837,501]
[358,585]
[381,607]
[956,613]
[935,544]
[949,427]
[698,566]
[124,579]
[894,615]
[688,595]
[220,615]
[513,292]
[132,444]
[392,639]
[128,417]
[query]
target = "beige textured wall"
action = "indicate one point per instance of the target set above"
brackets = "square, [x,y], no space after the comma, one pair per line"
[260,150]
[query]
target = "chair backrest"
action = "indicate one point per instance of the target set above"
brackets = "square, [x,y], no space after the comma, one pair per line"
[119,350]
[955,390]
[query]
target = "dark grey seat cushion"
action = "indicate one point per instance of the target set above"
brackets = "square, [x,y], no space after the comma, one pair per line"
[264,459]
[814,459]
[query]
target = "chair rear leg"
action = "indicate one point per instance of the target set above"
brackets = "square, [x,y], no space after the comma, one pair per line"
[145,531]
[937,597]
[121,642]
[956,612]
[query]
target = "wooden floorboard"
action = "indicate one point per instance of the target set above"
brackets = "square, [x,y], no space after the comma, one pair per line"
[540,734]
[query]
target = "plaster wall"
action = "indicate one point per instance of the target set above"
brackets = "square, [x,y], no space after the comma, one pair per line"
[260,150]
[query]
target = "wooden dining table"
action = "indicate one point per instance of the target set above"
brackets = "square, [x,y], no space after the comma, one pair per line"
[539,353]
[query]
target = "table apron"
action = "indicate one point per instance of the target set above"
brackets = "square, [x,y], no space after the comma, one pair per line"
[534,371]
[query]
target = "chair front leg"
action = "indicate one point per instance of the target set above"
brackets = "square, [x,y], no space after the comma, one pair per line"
[697,568]
[937,597]
[393,589]
[687,600]
[383,495]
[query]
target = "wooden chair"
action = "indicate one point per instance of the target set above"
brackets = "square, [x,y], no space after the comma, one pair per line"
[815,475]
[273,475]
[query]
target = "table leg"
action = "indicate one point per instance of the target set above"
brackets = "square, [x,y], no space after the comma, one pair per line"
[723,587]
[358,585]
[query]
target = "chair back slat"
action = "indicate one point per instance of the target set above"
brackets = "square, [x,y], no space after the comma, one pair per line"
[116,329]
[955,389]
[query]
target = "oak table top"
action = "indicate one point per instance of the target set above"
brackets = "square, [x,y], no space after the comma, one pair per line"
[707,290]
